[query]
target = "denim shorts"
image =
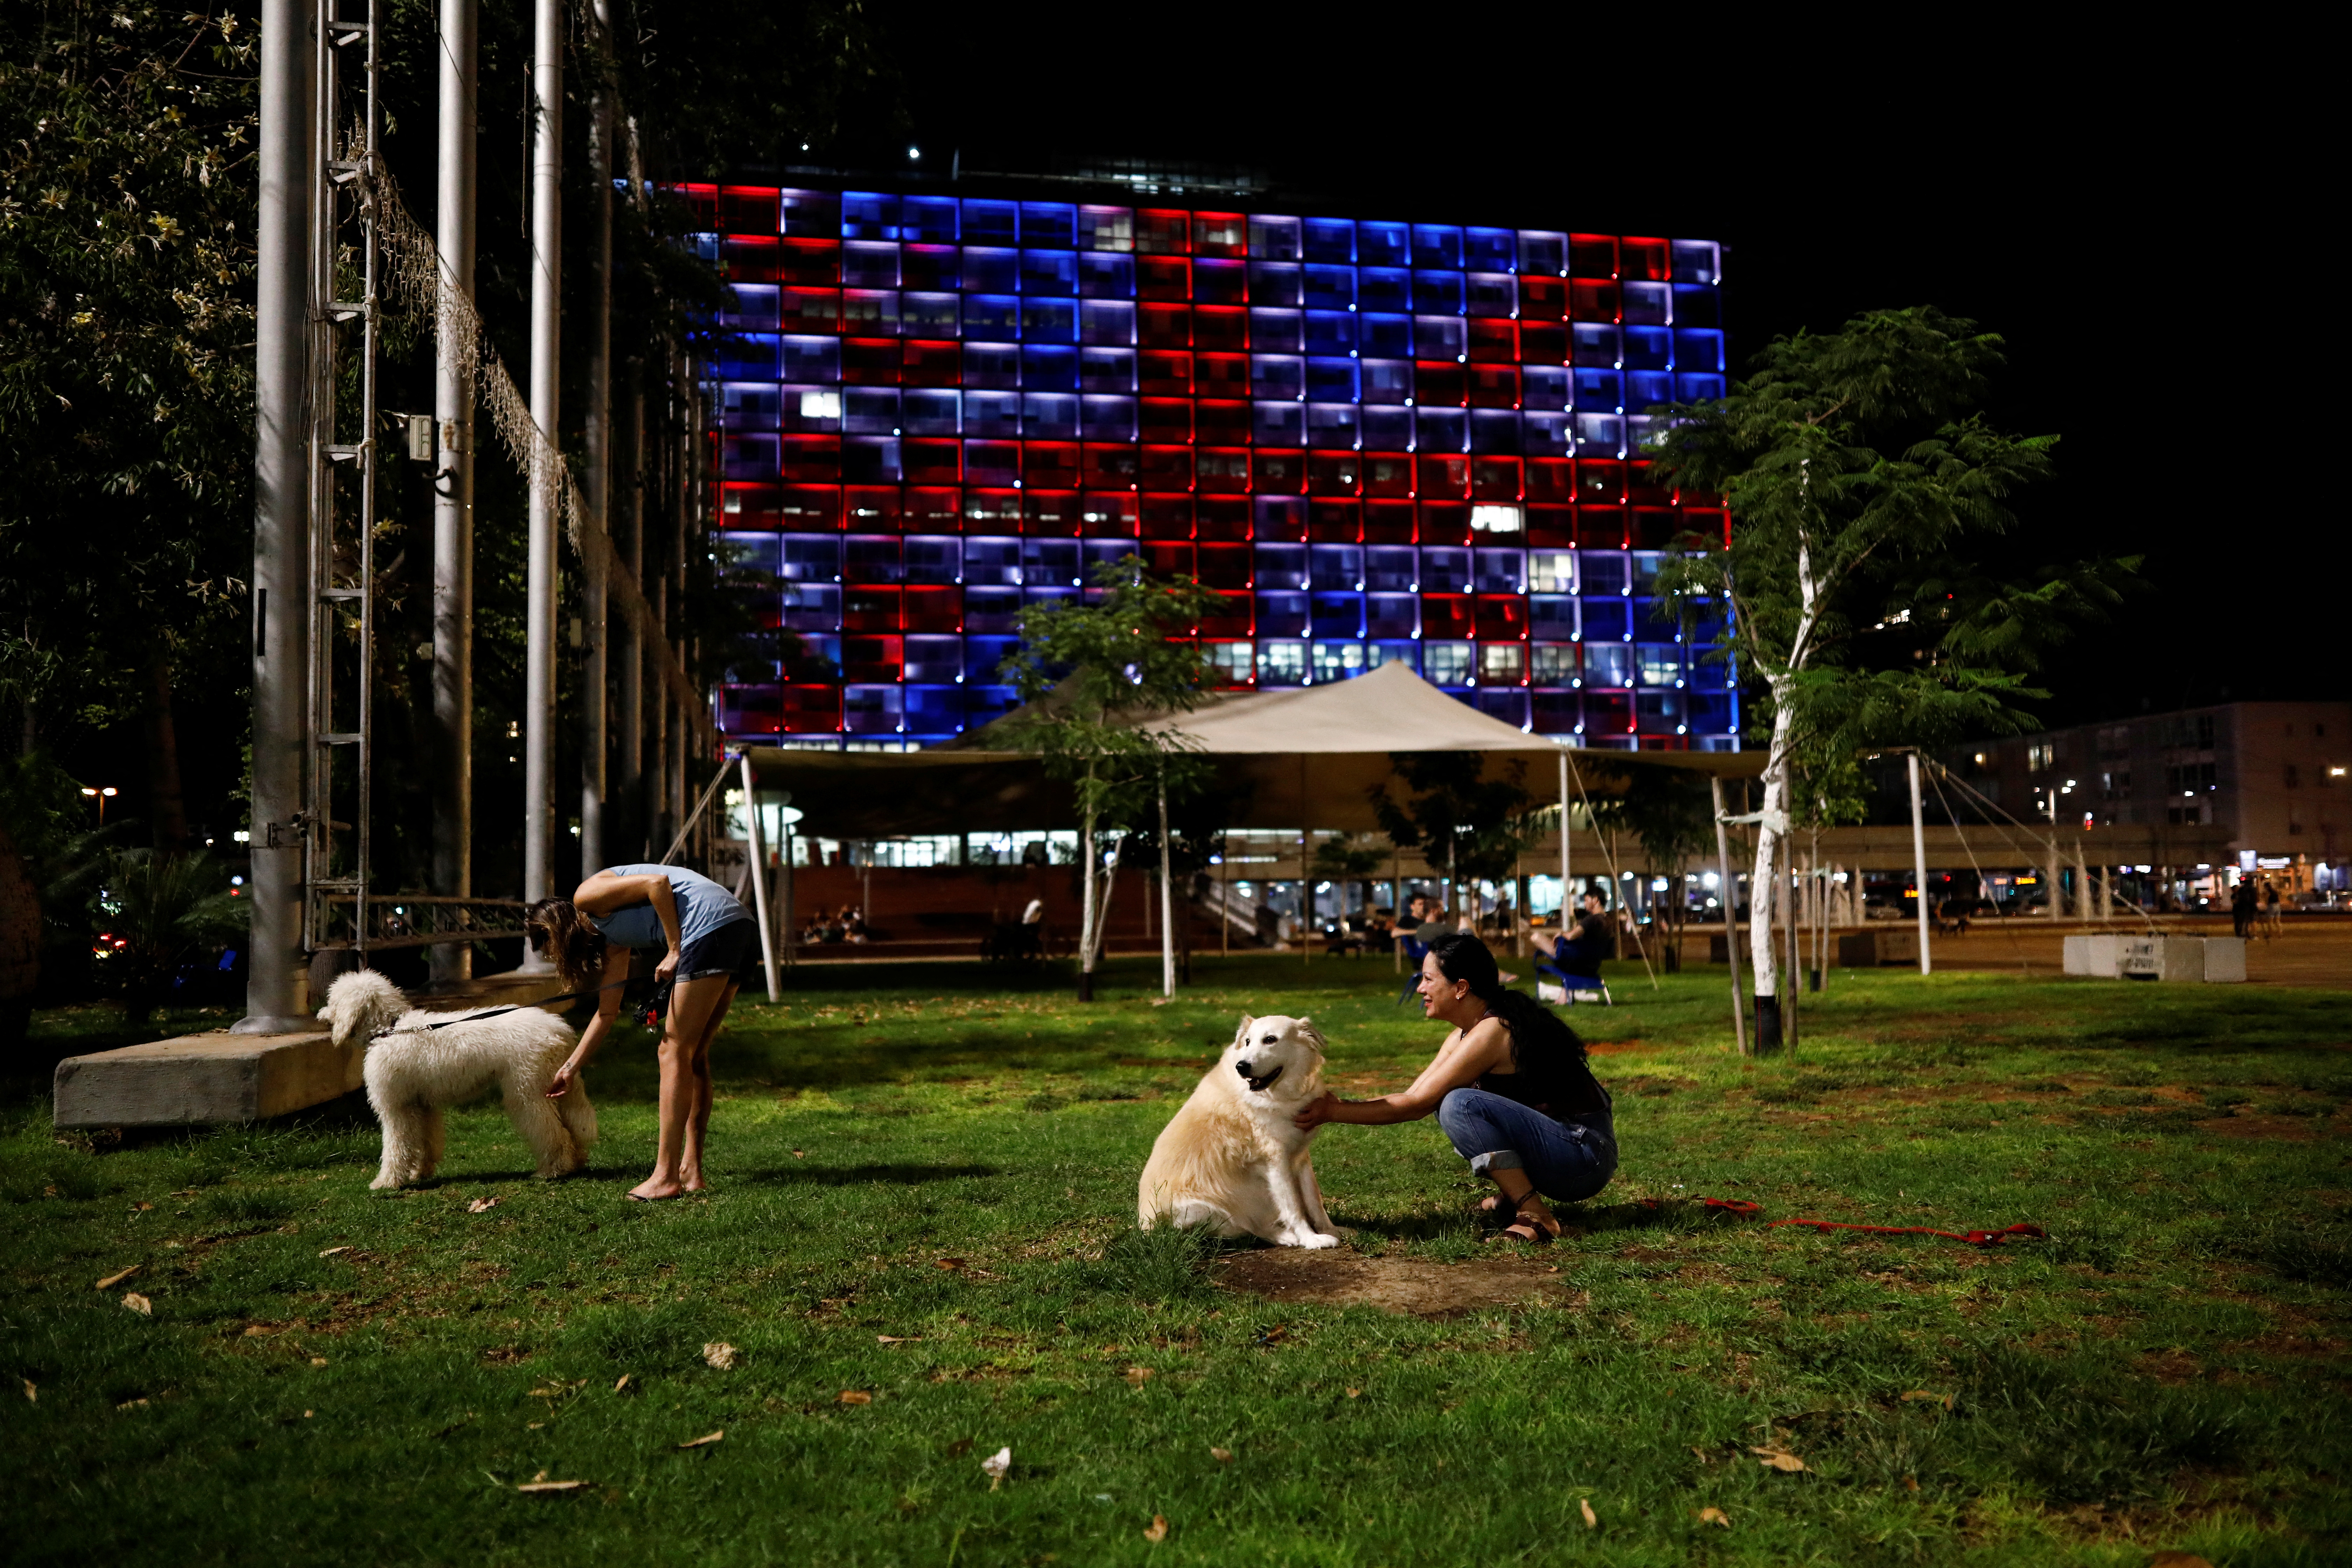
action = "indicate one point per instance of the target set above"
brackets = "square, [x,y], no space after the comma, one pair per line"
[733,949]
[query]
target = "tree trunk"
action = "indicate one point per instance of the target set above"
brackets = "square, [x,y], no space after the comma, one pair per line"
[20,946]
[1764,882]
[167,811]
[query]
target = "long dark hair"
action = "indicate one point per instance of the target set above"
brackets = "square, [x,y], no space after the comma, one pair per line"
[556,928]
[1461,956]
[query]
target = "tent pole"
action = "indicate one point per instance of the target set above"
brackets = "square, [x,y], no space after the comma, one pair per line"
[1310,926]
[1567,900]
[758,876]
[1167,900]
[1730,912]
[1396,905]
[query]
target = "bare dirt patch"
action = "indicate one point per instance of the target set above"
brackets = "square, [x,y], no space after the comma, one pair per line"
[2292,1129]
[1411,1287]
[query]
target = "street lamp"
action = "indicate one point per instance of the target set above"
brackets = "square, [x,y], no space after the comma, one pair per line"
[101,796]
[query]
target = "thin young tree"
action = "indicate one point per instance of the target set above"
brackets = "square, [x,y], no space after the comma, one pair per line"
[1862,483]
[1091,673]
[1457,816]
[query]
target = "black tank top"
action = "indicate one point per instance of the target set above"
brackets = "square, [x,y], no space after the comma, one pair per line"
[1549,1079]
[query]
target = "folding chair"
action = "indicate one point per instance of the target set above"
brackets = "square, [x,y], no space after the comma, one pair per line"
[1562,988]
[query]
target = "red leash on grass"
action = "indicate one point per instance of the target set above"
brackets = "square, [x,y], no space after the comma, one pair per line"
[1746,1210]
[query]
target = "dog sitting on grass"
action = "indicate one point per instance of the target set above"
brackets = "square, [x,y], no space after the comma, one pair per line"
[1231,1159]
[415,1072]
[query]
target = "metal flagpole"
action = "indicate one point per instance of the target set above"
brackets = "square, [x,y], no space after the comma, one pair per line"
[276,997]
[1564,897]
[1919,862]
[546,392]
[1167,900]
[597,450]
[453,489]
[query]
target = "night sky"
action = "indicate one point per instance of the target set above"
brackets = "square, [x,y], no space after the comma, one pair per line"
[2128,226]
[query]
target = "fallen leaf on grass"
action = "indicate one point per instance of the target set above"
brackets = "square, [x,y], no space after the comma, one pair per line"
[138,1303]
[897,1339]
[995,1466]
[855,1396]
[797,1154]
[111,1280]
[1355,1394]
[950,1264]
[337,1252]
[1713,1516]
[140,1208]
[720,1355]
[1704,1456]
[317,1361]
[1223,1456]
[1780,1460]
[1943,1399]
[32,1392]
[1157,1530]
[705,1440]
[1137,1377]
[1161,1001]
[622,1386]
[536,1489]
[1584,1507]
[258,1331]
[481,1206]
[133,1405]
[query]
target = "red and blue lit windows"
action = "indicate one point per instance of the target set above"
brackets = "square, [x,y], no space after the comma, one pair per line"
[1593,256]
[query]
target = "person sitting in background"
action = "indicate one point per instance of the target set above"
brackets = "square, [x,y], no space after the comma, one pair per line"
[1579,949]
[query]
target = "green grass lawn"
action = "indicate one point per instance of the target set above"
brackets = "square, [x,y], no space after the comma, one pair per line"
[926,1187]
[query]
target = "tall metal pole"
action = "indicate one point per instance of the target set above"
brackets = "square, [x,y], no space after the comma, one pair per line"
[1566,902]
[631,546]
[598,449]
[453,490]
[546,390]
[1919,862]
[754,846]
[1167,901]
[1730,912]
[276,994]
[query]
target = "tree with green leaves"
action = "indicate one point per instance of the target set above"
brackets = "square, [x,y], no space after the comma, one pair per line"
[1864,486]
[1475,824]
[126,364]
[1092,674]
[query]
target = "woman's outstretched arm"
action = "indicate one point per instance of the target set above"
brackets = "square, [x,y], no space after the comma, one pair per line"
[1458,1062]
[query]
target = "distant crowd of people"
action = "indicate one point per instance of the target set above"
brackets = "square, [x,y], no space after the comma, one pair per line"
[2256,910]
[847,924]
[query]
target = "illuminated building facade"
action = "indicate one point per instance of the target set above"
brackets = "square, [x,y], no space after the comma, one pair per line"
[1374,440]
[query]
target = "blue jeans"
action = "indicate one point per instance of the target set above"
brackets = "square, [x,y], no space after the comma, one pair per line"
[1569,1161]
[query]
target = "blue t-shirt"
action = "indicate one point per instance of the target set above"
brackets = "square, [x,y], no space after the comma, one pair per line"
[703,907]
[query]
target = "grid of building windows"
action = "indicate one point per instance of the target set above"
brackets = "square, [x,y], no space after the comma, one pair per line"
[1373,440]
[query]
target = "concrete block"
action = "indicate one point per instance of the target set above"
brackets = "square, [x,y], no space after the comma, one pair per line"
[2183,959]
[198,1079]
[2225,960]
[1870,949]
[201,1079]
[2139,957]
[2095,954]
[2077,959]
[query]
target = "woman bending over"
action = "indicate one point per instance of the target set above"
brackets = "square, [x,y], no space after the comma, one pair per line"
[708,944]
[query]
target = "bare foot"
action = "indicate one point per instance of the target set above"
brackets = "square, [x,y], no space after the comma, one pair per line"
[696,1183]
[651,1191]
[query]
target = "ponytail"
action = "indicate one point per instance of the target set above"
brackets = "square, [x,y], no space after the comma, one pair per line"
[556,928]
[1461,956]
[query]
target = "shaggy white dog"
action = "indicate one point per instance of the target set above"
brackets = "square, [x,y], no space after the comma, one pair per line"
[415,1071]
[1232,1157]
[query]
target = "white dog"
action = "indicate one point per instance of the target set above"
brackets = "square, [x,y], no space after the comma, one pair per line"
[1232,1157]
[415,1071]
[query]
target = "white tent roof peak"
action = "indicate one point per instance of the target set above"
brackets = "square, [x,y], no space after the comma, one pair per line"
[1387,709]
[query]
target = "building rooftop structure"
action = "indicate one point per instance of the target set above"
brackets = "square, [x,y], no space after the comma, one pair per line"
[1376,440]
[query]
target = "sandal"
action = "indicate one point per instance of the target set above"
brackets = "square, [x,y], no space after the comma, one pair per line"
[1538,1227]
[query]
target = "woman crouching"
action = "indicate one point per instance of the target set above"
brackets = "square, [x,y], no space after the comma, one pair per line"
[1511,1089]
[710,944]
